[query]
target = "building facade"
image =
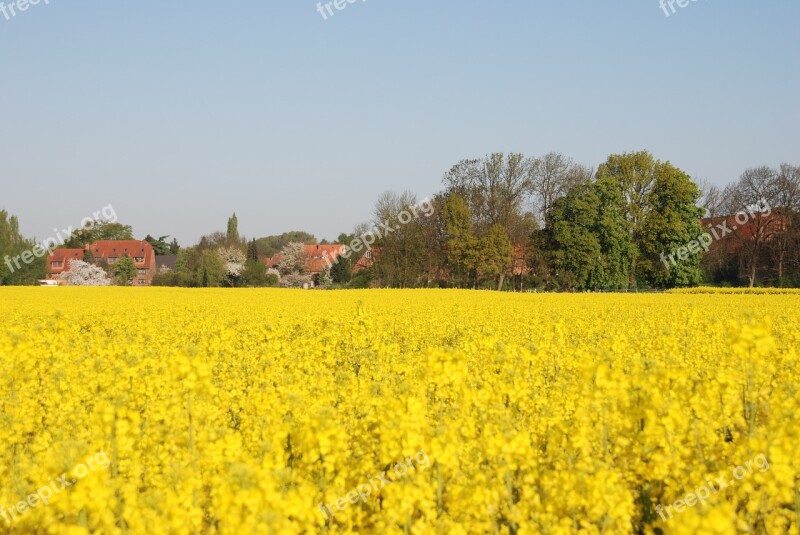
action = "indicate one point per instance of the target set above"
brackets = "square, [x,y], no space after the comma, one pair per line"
[106,253]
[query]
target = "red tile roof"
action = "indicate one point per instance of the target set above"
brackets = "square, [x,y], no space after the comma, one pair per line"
[318,257]
[105,249]
[64,256]
[118,248]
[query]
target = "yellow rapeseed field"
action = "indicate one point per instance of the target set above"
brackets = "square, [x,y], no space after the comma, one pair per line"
[379,411]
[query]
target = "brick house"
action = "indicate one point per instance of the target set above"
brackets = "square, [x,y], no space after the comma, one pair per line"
[109,251]
[741,245]
[58,261]
[320,257]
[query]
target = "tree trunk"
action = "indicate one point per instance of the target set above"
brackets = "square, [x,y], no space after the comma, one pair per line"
[502,279]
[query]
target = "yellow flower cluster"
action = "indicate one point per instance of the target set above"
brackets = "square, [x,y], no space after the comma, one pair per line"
[242,411]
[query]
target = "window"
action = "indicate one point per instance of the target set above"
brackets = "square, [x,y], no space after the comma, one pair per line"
[139,259]
[142,282]
[58,264]
[142,271]
[368,255]
[112,259]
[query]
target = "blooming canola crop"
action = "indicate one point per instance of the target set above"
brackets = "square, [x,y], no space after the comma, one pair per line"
[269,411]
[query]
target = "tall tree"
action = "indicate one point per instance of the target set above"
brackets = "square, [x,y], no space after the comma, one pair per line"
[554,175]
[672,222]
[757,188]
[494,254]
[574,242]
[711,199]
[22,261]
[786,199]
[496,188]
[252,250]
[462,245]
[398,234]
[590,238]
[654,194]
[233,229]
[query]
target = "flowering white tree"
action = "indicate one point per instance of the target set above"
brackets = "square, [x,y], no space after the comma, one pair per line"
[82,274]
[234,260]
[293,258]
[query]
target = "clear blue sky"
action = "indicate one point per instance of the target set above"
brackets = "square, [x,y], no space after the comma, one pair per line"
[178,113]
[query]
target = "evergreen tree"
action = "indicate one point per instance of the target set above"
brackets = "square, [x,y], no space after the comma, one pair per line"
[233,229]
[341,270]
[160,245]
[252,250]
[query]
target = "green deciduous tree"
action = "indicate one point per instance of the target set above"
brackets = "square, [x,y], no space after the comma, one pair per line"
[589,237]
[494,254]
[96,231]
[124,270]
[22,261]
[270,245]
[255,275]
[461,243]
[659,203]
[672,222]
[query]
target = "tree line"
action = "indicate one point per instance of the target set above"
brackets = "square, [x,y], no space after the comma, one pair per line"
[511,222]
